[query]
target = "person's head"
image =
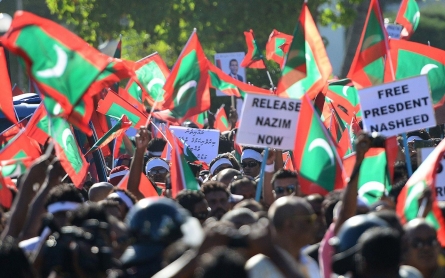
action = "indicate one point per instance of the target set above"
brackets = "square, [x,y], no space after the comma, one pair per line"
[194,201]
[244,186]
[157,169]
[330,200]
[251,162]
[221,262]
[62,198]
[250,204]
[391,218]
[217,197]
[421,246]
[239,217]
[219,163]
[117,174]
[226,175]
[13,261]
[125,199]
[379,253]
[99,191]
[124,160]
[316,200]
[155,147]
[293,218]
[225,145]
[285,183]
[233,65]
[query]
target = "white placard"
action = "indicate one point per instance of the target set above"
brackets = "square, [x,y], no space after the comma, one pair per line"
[268,121]
[393,30]
[202,142]
[397,107]
[440,178]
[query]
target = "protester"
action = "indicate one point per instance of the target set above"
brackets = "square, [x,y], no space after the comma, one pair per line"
[99,191]
[217,197]
[195,202]
[251,160]
[157,169]
[244,186]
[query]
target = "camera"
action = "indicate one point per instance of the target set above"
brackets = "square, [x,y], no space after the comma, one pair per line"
[377,141]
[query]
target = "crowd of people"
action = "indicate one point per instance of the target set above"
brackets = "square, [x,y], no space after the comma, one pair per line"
[54,229]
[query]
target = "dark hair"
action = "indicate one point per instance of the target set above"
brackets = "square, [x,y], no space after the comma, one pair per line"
[156,145]
[86,212]
[196,168]
[396,189]
[390,218]
[230,157]
[66,192]
[225,145]
[222,262]
[380,249]
[400,171]
[283,174]
[329,202]
[13,261]
[189,198]
[250,203]
[214,186]
[233,60]
[244,180]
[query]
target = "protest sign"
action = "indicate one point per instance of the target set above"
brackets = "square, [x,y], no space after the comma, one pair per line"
[203,143]
[268,121]
[394,30]
[440,178]
[397,107]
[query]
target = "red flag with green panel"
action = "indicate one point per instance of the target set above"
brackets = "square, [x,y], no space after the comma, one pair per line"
[12,131]
[117,130]
[411,59]
[5,194]
[115,106]
[425,176]
[187,87]
[408,16]
[344,97]
[368,64]
[277,46]
[254,57]
[61,64]
[6,105]
[145,186]
[37,127]
[230,86]
[181,175]
[315,155]
[151,74]
[221,121]
[307,66]
[199,119]
[22,150]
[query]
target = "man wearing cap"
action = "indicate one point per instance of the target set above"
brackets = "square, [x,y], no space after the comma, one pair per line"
[220,163]
[157,169]
[251,162]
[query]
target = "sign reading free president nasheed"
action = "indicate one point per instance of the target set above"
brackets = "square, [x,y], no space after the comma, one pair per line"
[397,107]
[268,121]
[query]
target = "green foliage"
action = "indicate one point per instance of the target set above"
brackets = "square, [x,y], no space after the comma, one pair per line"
[431,26]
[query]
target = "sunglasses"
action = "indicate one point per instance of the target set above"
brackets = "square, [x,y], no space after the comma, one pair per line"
[310,219]
[289,189]
[250,164]
[159,171]
[419,243]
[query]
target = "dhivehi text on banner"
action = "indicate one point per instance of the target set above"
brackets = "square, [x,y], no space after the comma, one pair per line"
[268,121]
[397,107]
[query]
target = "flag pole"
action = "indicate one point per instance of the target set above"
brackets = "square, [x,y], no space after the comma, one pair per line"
[259,187]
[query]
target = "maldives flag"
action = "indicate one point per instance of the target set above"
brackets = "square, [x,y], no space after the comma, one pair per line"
[287,161]
[181,175]
[37,127]
[221,121]
[408,16]
[60,63]
[425,176]
[199,119]
[12,131]
[230,86]
[117,130]
[151,74]
[374,179]
[367,67]
[343,95]
[254,57]
[68,151]
[277,46]
[412,59]
[145,186]
[187,87]
[21,152]
[6,105]
[119,146]
[5,194]
[307,66]
[315,154]
[115,106]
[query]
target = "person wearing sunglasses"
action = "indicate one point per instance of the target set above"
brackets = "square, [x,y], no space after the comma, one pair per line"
[285,183]
[157,169]
[251,162]
[422,248]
